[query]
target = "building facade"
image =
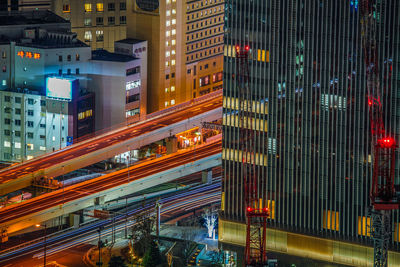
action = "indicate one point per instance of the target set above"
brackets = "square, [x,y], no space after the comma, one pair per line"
[185,47]
[116,79]
[312,149]
[24,5]
[97,23]
[31,125]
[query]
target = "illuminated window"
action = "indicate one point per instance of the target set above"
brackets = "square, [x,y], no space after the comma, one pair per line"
[167,43]
[173,21]
[99,7]
[30,146]
[168,23]
[173,62]
[167,33]
[173,32]
[29,157]
[172,88]
[88,22]
[167,54]
[172,101]
[173,42]
[168,1]
[168,12]
[364,224]
[173,52]
[166,89]
[66,8]
[173,11]
[166,63]
[42,148]
[7,144]
[17,145]
[88,7]
[330,220]
[88,36]
[99,36]
[166,103]
[54,138]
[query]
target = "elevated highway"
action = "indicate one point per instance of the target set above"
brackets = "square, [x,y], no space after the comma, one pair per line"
[156,127]
[95,192]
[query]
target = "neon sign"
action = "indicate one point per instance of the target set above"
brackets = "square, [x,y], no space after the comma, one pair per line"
[28,54]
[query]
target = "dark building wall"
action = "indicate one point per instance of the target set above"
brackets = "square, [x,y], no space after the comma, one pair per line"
[307,69]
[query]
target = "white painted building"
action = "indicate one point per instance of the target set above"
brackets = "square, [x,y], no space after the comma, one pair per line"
[31,125]
[120,86]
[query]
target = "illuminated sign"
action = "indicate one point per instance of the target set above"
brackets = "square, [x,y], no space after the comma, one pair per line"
[28,54]
[132,85]
[59,88]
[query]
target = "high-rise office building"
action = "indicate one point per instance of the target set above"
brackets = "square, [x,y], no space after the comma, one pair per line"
[312,148]
[185,47]
[24,5]
[97,23]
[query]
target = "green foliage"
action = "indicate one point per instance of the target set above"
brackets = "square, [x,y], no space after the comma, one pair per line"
[152,257]
[116,261]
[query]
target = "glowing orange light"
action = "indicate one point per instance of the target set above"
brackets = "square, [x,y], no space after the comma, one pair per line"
[237,48]
[21,54]
[28,54]
[36,55]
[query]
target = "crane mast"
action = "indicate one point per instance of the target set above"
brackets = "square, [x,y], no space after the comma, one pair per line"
[256,209]
[382,193]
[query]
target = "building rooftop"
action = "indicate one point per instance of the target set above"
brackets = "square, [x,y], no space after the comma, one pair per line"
[104,55]
[29,18]
[130,41]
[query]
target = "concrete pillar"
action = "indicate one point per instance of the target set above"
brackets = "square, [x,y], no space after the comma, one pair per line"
[172,144]
[206,177]
[74,220]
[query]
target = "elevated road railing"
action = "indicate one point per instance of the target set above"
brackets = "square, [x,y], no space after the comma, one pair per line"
[87,152]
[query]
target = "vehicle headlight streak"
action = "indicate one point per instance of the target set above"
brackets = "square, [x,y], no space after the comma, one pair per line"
[78,236]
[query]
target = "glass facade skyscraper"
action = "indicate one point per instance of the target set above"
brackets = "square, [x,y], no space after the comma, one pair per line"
[308,89]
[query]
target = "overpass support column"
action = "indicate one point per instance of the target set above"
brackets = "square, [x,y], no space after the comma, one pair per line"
[172,144]
[206,176]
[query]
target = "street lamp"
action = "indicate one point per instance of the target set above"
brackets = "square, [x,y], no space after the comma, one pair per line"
[45,235]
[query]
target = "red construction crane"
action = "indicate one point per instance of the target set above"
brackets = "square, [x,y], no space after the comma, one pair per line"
[382,195]
[255,205]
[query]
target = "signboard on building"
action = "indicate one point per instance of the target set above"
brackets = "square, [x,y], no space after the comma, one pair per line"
[60,88]
[101,214]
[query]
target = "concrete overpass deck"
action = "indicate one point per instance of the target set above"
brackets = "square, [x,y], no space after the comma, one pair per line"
[157,126]
[109,187]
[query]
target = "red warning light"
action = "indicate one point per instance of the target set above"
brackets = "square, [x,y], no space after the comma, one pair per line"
[387,142]
[369,102]
[247,48]
[249,209]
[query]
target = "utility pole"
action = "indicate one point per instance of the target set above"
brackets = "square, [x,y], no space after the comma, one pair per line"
[99,263]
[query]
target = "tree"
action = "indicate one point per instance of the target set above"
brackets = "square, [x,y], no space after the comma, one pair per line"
[141,233]
[153,257]
[210,218]
[116,261]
